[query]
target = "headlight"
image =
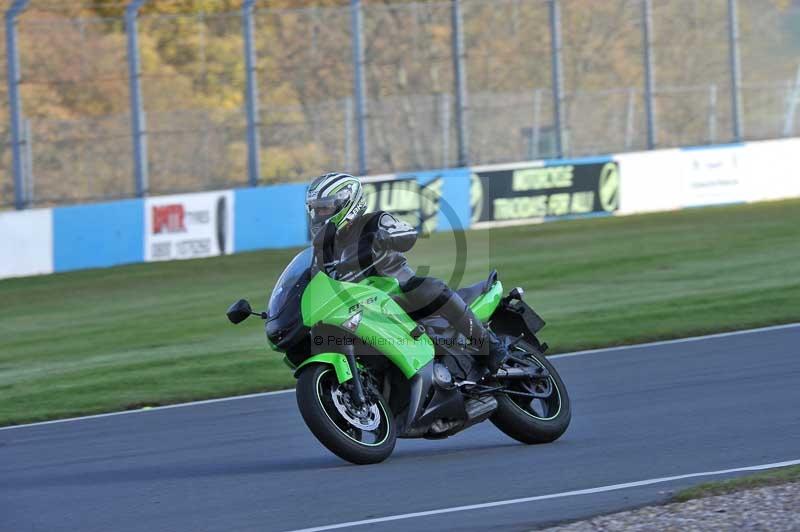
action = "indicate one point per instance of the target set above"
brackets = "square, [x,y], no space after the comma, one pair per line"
[352,322]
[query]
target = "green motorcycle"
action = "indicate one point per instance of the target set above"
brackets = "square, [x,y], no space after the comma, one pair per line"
[367,373]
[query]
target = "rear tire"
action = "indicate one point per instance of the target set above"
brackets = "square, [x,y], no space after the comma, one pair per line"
[522,422]
[317,393]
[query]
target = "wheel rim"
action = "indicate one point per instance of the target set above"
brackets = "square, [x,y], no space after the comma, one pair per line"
[368,426]
[541,408]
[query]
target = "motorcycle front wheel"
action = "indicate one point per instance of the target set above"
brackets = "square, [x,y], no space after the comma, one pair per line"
[539,420]
[363,434]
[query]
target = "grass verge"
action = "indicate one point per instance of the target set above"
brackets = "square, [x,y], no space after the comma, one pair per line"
[101,340]
[772,477]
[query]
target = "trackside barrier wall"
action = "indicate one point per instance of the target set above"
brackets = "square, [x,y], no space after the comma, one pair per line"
[99,235]
[26,242]
[691,177]
[270,217]
[229,221]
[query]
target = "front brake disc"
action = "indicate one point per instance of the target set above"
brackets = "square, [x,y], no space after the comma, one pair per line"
[368,417]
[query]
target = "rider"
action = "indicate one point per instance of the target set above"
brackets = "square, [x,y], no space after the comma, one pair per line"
[335,202]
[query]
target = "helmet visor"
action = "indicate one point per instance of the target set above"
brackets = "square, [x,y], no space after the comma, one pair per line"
[321,210]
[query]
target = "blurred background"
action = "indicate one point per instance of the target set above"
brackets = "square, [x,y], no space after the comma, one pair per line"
[443,84]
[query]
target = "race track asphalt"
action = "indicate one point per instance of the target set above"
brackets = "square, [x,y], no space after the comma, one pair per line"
[251,465]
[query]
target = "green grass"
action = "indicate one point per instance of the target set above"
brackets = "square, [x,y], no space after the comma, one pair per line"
[772,477]
[111,339]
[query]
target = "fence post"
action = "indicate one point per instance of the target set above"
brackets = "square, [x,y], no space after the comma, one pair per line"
[712,113]
[251,96]
[138,128]
[533,153]
[558,76]
[735,67]
[444,124]
[15,103]
[649,72]
[792,99]
[27,140]
[630,124]
[348,134]
[357,30]
[460,75]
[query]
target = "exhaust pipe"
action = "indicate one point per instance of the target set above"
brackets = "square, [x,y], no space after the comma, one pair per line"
[522,373]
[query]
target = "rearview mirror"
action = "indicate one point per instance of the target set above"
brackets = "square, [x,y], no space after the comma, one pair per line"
[239,311]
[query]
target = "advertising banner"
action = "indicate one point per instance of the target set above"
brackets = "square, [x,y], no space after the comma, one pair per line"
[413,200]
[537,192]
[188,226]
[399,196]
[712,176]
[445,198]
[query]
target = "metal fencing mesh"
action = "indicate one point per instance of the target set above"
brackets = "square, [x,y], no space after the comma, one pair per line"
[509,78]
[690,49]
[603,73]
[769,43]
[77,142]
[193,84]
[304,68]
[74,99]
[408,72]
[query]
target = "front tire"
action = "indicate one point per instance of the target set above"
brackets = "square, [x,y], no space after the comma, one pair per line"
[537,420]
[360,436]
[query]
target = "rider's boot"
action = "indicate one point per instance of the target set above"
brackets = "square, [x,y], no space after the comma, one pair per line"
[492,350]
[498,353]
[429,295]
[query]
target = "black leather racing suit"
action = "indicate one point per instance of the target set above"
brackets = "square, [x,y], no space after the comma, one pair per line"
[374,245]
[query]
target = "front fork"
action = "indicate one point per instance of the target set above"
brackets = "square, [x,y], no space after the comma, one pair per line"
[358,387]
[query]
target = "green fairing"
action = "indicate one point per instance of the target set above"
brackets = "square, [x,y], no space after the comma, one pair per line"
[337,360]
[384,325]
[486,304]
[389,285]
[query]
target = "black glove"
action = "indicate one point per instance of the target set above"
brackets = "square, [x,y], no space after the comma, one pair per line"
[379,243]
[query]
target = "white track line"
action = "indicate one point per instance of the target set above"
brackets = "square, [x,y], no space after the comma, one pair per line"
[280,392]
[677,341]
[588,491]
[150,409]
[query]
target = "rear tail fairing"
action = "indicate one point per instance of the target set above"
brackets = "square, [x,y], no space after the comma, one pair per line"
[486,304]
[514,317]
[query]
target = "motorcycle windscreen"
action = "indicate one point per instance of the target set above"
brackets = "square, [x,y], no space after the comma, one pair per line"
[284,325]
[287,284]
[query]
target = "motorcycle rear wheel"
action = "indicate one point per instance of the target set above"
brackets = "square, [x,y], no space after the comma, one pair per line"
[365,435]
[534,420]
